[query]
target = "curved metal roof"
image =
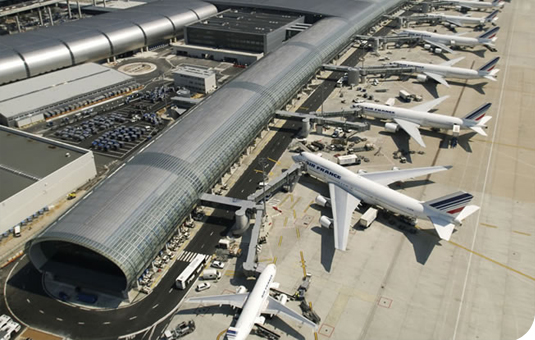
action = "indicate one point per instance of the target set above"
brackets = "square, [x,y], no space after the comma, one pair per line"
[96,38]
[130,216]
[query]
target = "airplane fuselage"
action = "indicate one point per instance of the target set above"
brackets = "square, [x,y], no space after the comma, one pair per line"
[461,19]
[364,189]
[445,71]
[257,300]
[425,119]
[478,4]
[448,40]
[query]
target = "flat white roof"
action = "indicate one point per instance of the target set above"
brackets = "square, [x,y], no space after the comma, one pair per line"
[195,71]
[33,93]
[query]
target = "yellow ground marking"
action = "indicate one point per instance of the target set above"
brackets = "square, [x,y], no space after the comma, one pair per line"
[296,201]
[308,206]
[271,173]
[295,215]
[315,335]
[221,334]
[285,222]
[275,260]
[303,264]
[258,171]
[284,200]
[521,233]
[280,241]
[297,232]
[230,273]
[493,261]
[266,260]
[292,197]
[303,108]
[274,161]
[505,144]
[482,256]
[310,305]
[488,225]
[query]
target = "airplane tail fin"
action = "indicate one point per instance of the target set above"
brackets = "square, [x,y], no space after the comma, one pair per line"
[449,211]
[232,333]
[490,65]
[492,16]
[451,205]
[490,34]
[478,113]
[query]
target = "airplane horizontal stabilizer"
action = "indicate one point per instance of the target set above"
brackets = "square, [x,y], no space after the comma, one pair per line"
[489,77]
[467,211]
[444,228]
[479,130]
[483,121]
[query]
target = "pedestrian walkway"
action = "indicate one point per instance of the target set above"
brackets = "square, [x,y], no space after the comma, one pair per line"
[188,256]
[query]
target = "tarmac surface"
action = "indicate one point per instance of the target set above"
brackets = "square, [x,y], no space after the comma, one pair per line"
[395,281]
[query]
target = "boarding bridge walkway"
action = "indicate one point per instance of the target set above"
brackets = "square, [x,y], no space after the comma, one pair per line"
[386,70]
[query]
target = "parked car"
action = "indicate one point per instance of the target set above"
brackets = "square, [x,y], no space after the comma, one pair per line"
[202,286]
[218,264]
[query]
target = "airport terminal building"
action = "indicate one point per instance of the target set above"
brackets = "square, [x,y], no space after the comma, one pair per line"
[108,240]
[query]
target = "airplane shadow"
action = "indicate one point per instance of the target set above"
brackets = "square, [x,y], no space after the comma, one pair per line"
[464,141]
[327,246]
[410,184]
[431,86]
[423,241]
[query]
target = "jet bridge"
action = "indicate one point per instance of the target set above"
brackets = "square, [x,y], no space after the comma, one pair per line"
[380,42]
[323,118]
[386,70]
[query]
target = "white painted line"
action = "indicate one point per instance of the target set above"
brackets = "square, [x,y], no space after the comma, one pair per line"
[132,318]
[156,305]
[211,233]
[28,300]
[81,323]
[59,319]
[170,290]
[41,311]
[498,112]
[106,323]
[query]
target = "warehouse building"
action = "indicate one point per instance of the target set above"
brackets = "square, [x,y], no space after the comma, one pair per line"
[36,172]
[54,94]
[196,79]
[251,31]
[109,239]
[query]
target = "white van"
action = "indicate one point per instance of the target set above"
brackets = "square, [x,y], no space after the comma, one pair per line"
[16,231]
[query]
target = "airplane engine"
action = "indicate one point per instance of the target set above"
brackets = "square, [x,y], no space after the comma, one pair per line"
[326,222]
[427,46]
[283,298]
[241,290]
[452,42]
[438,50]
[391,127]
[421,78]
[323,201]
[260,320]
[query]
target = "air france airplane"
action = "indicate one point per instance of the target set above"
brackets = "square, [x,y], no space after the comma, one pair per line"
[445,70]
[412,119]
[477,4]
[442,41]
[465,20]
[254,304]
[347,189]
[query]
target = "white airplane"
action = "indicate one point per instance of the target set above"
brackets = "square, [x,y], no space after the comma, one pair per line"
[445,70]
[347,189]
[254,304]
[466,19]
[412,119]
[470,4]
[442,41]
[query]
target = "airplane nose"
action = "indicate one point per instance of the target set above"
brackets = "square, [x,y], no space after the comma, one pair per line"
[297,158]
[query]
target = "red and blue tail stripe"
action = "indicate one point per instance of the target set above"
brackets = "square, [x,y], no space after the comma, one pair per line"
[452,204]
[490,33]
[478,113]
[490,65]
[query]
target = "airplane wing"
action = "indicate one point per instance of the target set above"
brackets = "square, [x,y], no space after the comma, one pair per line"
[451,62]
[274,307]
[412,129]
[392,176]
[425,107]
[454,22]
[343,204]
[479,130]
[439,45]
[438,78]
[234,300]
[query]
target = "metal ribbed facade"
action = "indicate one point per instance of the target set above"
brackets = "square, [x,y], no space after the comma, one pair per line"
[132,214]
[28,54]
